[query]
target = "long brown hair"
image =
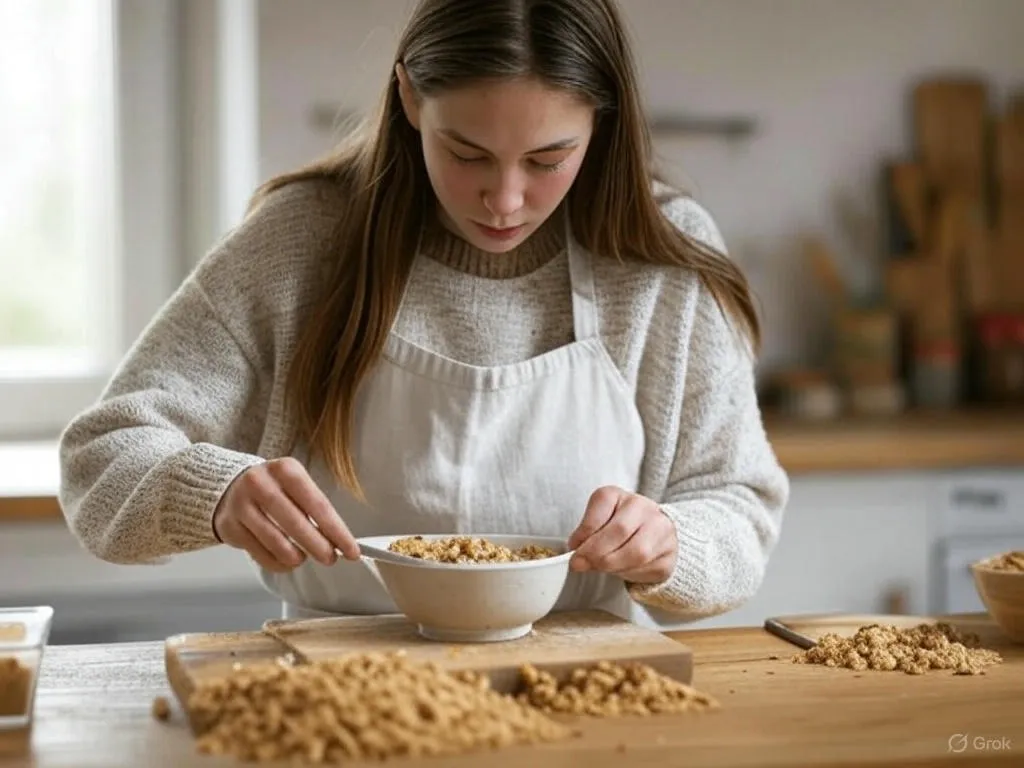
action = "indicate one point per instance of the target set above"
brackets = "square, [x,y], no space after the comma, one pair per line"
[578,45]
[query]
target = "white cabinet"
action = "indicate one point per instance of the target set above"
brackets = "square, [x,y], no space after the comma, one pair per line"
[40,559]
[95,601]
[847,542]
[980,503]
[977,514]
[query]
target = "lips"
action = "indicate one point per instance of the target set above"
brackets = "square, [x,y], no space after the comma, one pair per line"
[504,233]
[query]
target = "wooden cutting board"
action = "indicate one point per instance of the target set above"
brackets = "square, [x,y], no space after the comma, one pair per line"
[558,643]
[190,659]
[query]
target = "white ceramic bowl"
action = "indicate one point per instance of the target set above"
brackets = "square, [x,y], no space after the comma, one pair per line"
[475,602]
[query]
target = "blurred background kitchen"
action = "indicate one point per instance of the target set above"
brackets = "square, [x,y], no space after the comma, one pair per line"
[863,158]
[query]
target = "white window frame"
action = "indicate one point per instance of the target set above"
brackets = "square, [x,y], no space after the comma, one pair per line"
[169,201]
[144,217]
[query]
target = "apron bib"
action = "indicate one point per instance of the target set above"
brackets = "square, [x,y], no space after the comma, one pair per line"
[441,446]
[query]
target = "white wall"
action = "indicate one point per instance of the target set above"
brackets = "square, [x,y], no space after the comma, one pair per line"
[826,79]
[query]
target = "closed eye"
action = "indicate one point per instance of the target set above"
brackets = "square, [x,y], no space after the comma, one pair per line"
[465,159]
[548,167]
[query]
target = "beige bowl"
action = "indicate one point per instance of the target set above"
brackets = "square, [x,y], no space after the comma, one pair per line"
[1002,592]
[474,603]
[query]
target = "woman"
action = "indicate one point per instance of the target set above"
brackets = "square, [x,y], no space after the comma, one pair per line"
[477,316]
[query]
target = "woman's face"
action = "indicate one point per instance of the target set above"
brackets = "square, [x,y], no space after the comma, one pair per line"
[501,156]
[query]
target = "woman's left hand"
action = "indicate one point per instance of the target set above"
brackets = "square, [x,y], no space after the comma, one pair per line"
[625,534]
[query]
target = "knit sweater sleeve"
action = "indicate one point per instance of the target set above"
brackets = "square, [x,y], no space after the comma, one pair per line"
[142,469]
[726,491]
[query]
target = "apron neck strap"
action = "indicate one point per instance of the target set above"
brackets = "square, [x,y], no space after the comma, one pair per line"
[581,277]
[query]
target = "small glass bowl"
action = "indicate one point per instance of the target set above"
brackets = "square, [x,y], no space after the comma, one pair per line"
[24,633]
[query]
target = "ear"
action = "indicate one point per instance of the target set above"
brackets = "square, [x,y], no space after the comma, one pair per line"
[407,95]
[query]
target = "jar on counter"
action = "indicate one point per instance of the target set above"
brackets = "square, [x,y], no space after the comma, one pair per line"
[808,394]
[1001,337]
[937,374]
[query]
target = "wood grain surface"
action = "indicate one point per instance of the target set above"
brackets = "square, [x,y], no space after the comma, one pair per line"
[93,709]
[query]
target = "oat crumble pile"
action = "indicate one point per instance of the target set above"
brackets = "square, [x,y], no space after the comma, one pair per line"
[610,690]
[1010,561]
[376,706]
[913,651]
[359,706]
[466,549]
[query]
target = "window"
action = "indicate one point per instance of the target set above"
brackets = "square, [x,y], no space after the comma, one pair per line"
[87,122]
[55,196]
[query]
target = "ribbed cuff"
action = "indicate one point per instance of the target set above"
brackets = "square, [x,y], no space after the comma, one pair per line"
[199,479]
[686,586]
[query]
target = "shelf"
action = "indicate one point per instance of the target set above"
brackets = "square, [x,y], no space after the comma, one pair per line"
[29,478]
[327,117]
[30,509]
[912,441]
[729,127]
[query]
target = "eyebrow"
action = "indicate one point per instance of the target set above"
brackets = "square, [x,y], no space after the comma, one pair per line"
[572,141]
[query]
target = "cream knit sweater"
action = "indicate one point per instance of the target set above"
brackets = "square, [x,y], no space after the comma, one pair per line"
[199,397]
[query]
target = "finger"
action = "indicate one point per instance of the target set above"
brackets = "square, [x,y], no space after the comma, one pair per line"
[271,537]
[639,551]
[654,572]
[313,504]
[620,528]
[296,526]
[600,507]
[247,541]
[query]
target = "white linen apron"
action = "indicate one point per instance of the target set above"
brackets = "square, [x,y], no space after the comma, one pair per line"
[441,446]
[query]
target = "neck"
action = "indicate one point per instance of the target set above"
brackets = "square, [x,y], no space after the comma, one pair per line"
[443,245]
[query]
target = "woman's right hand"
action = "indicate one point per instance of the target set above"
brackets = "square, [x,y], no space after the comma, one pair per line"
[269,506]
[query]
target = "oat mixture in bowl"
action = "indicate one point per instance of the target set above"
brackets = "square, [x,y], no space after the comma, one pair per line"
[471,588]
[468,549]
[1010,562]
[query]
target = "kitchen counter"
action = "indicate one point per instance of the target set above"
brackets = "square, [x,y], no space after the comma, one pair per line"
[912,441]
[29,479]
[94,702]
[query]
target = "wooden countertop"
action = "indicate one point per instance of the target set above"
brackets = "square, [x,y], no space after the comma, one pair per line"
[912,441]
[93,708]
[29,473]
[29,477]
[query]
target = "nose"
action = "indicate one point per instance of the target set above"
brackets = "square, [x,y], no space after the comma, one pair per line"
[505,196]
